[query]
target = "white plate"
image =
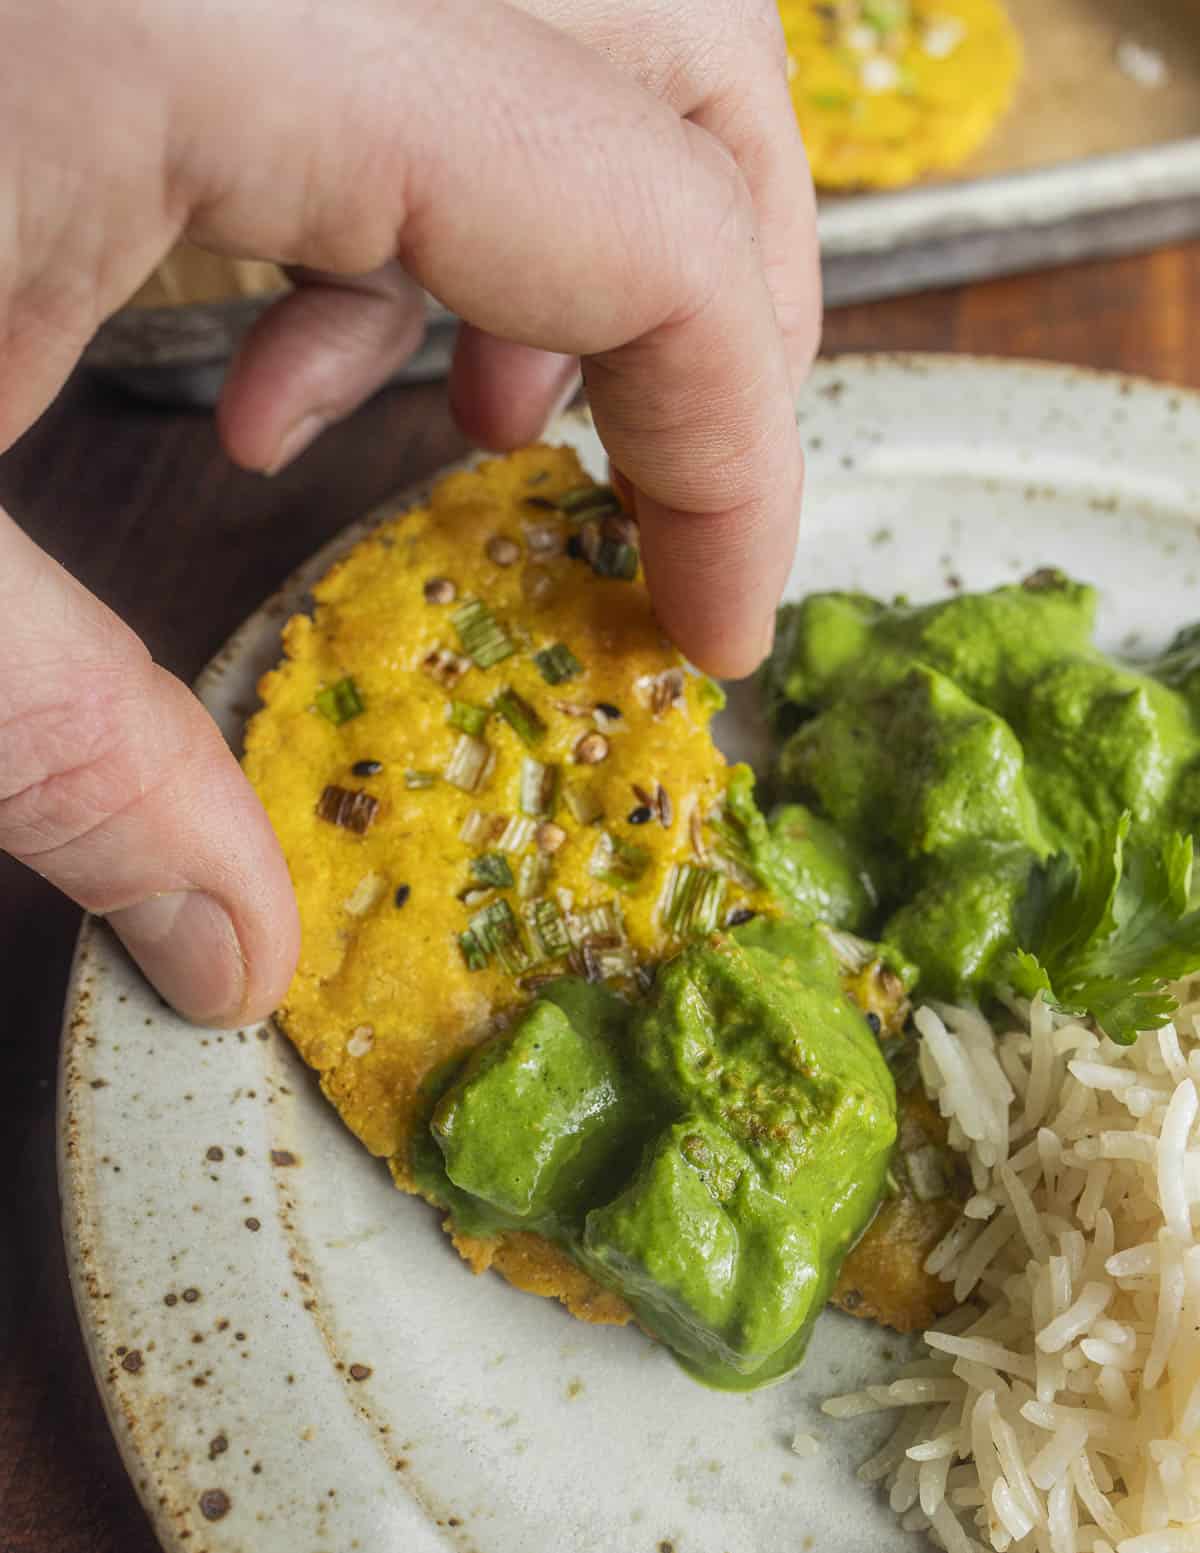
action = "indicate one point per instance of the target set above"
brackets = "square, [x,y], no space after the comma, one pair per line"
[293,1358]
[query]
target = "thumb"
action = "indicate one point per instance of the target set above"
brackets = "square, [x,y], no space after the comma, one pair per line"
[116,786]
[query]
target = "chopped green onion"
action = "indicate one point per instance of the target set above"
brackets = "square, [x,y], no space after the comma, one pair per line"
[517,834]
[618,861]
[589,499]
[339,703]
[534,874]
[467,717]
[614,558]
[519,716]
[603,963]
[476,827]
[473,951]
[599,924]
[481,636]
[557,663]
[549,929]
[468,764]
[416,780]
[499,932]
[583,804]
[539,788]
[492,868]
[693,899]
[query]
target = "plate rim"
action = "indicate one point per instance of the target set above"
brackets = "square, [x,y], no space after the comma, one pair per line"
[76,1175]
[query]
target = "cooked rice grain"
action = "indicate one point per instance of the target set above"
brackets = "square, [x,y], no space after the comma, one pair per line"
[1060,1411]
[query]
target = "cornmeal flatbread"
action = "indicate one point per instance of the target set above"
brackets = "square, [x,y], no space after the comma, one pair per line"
[888,90]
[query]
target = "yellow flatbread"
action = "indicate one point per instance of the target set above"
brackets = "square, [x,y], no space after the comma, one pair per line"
[886,91]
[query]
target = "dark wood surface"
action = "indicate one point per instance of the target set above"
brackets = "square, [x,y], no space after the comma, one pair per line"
[140,504]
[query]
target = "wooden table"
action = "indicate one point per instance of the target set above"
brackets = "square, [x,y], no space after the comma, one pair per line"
[142,507]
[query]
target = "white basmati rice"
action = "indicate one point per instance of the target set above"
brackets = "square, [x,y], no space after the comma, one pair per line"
[1059,1411]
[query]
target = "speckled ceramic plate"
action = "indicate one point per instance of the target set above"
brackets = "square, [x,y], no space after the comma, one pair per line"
[293,1358]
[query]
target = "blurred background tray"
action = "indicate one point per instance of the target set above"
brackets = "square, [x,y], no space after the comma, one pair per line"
[1089,161]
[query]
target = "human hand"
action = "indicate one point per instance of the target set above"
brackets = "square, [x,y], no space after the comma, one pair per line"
[646,211]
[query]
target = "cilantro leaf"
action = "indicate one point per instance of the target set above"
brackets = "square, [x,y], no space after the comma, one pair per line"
[1101,936]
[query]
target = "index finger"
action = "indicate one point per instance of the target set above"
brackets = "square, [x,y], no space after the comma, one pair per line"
[569,209]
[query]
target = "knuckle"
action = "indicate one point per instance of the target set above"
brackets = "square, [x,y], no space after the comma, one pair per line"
[73,757]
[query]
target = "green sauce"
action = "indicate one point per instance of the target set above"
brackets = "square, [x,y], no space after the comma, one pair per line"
[713,1151]
[953,745]
[711,1154]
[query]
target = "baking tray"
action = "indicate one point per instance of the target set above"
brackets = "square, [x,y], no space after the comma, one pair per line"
[1090,161]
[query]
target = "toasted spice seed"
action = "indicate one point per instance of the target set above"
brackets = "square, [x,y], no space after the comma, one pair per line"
[403,891]
[366,768]
[666,811]
[502,551]
[666,691]
[740,915]
[575,548]
[549,837]
[537,584]
[440,590]
[591,749]
[607,709]
[545,539]
[642,815]
[444,666]
[641,794]
[874,1021]
[348,807]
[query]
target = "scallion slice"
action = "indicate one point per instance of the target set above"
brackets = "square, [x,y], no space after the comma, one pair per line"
[520,716]
[339,703]
[499,932]
[585,807]
[473,951]
[557,663]
[533,875]
[549,929]
[480,634]
[589,500]
[614,558]
[517,834]
[492,868]
[539,788]
[468,764]
[598,924]
[618,861]
[416,780]
[693,899]
[467,717]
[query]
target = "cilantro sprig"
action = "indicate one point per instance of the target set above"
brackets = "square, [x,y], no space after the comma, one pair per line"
[1101,936]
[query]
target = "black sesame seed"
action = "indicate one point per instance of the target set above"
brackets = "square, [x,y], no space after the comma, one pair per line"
[642,815]
[403,891]
[607,709]
[575,548]
[367,767]
[740,915]
[873,1021]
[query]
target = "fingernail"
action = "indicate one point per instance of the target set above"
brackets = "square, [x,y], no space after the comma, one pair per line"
[186,945]
[297,437]
[569,385]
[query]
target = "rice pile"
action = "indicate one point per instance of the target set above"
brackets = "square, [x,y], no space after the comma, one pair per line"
[1058,1409]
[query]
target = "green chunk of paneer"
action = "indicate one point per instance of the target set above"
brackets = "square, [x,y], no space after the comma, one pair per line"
[710,1261]
[532,1124]
[1100,740]
[916,765]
